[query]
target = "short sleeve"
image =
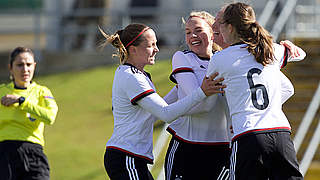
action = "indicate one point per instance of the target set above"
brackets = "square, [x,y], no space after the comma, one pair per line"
[180,64]
[137,87]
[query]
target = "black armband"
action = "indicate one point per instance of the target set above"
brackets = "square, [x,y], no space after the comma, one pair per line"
[21,100]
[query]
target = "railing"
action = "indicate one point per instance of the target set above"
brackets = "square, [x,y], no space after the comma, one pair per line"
[267,12]
[297,18]
[303,129]
[49,21]
[306,22]
[283,18]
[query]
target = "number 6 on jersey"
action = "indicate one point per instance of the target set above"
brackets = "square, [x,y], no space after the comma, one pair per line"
[254,88]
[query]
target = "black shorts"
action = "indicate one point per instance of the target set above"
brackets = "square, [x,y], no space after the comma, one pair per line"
[122,166]
[197,161]
[269,155]
[21,160]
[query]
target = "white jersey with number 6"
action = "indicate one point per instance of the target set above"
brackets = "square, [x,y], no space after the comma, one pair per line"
[253,92]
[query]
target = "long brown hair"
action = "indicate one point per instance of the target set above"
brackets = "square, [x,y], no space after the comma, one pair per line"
[124,38]
[242,17]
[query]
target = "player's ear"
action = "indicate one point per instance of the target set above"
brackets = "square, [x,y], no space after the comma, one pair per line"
[230,28]
[132,49]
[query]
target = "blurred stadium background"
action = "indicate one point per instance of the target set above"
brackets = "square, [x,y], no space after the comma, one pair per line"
[65,38]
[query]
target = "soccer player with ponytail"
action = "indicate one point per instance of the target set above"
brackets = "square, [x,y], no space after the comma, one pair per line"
[261,145]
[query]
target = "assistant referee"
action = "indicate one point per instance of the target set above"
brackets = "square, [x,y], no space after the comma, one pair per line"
[25,108]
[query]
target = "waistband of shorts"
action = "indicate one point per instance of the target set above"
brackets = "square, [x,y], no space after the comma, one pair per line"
[260,131]
[120,150]
[17,144]
[198,143]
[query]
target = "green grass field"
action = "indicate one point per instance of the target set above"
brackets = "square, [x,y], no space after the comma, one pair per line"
[75,144]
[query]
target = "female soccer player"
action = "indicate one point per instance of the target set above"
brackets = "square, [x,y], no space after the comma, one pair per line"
[136,105]
[294,51]
[261,145]
[199,148]
[25,108]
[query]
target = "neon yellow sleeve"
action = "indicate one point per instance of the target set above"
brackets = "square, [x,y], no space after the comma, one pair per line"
[46,109]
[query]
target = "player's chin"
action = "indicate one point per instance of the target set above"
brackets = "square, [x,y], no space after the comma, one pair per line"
[152,61]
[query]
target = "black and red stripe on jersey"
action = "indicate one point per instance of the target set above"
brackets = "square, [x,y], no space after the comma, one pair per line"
[141,95]
[179,70]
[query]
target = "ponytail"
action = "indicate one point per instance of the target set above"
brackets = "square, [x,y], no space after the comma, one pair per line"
[124,38]
[115,41]
[259,44]
[242,17]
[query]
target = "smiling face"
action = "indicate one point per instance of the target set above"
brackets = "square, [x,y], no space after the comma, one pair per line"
[145,52]
[218,39]
[22,69]
[199,36]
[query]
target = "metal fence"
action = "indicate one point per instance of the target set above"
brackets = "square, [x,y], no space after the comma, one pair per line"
[55,27]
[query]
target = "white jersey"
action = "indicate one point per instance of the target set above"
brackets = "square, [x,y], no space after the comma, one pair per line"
[253,91]
[287,89]
[205,123]
[136,106]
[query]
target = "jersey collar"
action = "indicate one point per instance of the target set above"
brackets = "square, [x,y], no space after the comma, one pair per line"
[21,88]
[137,70]
[202,58]
[237,43]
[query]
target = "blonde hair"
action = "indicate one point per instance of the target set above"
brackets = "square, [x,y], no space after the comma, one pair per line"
[124,38]
[203,15]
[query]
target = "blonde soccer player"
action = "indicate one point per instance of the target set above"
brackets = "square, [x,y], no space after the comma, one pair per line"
[199,147]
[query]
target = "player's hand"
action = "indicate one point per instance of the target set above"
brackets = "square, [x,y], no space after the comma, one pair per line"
[294,51]
[210,85]
[9,99]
